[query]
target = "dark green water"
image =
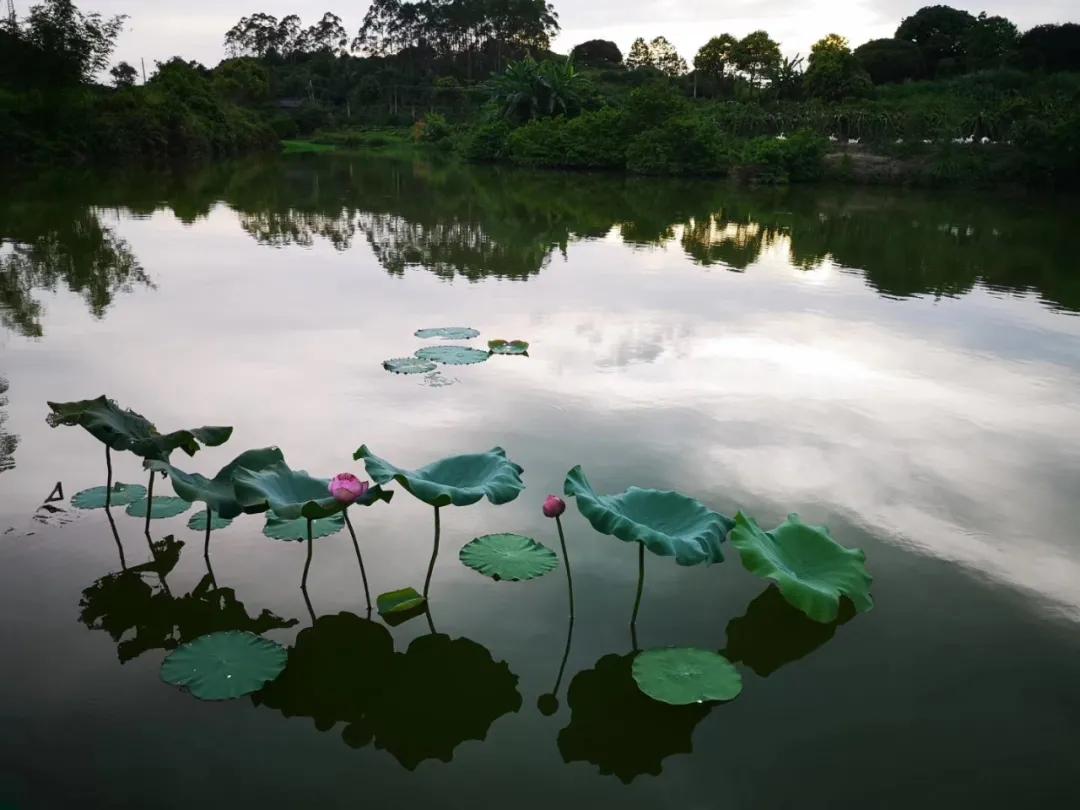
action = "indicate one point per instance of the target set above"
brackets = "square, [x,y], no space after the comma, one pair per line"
[902,367]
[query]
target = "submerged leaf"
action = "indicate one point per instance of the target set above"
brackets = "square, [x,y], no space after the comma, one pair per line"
[457,480]
[197,522]
[223,666]
[122,495]
[670,524]
[811,569]
[279,528]
[219,492]
[164,506]
[685,675]
[399,606]
[447,333]
[453,355]
[408,365]
[511,557]
[519,347]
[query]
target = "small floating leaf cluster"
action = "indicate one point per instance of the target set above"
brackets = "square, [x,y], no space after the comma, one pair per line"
[811,570]
[426,359]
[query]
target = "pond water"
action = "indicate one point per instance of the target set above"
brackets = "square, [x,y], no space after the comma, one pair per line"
[902,367]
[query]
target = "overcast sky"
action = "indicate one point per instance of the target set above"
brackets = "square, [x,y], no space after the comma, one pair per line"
[195,28]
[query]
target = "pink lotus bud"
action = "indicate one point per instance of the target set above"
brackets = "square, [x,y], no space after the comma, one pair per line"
[554,506]
[346,488]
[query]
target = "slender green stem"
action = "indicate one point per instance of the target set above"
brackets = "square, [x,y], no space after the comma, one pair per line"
[206,545]
[359,558]
[565,657]
[434,555]
[566,564]
[307,563]
[149,503]
[307,601]
[108,478]
[640,582]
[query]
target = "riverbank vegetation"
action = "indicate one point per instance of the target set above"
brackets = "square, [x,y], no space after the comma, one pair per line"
[951,98]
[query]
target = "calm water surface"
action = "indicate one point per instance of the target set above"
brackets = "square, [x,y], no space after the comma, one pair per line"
[902,367]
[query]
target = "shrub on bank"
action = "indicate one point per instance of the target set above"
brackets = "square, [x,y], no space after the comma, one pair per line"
[594,140]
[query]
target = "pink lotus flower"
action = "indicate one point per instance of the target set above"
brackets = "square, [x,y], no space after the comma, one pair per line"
[346,488]
[554,506]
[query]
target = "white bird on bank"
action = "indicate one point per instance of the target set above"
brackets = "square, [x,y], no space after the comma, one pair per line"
[781,137]
[985,140]
[853,140]
[833,138]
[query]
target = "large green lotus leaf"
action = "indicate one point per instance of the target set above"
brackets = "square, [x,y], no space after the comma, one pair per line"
[279,528]
[458,480]
[197,522]
[518,347]
[292,493]
[438,694]
[124,429]
[618,728]
[408,365]
[511,557]
[223,666]
[219,492]
[447,333]
[163,506]
[336,668]
[122,495]
[773,632]
[453,355]
[668,523]
[684,675]
[811,569]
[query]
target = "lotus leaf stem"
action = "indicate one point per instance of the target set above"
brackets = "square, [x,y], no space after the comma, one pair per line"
[307,563]
[149,504]
[116,535]
[640,582]
[359,558]
[434,555]
[108,478]
[566,564]
[206,545]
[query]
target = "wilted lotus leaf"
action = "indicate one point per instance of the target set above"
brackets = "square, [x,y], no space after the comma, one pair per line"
[457,480]
[669,524]
[223,666]
[452,355]
[219,492]
[447,333]
[511,557]
[811,569]
[685,675]
[122,495]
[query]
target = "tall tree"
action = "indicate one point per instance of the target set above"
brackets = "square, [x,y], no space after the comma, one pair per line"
[640,56]
[890,60]
[597,53]
[76,45]
[124,75]
[989,43]
[1051,47]
[757,55]
[716,56]
[328,34]
[939,33]
[666,58]
[833,72]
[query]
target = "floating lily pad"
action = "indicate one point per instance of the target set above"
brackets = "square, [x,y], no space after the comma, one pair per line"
[453,355]
[292,494]
[670,524]
[508,556]
[223,666]
[219,492]
[447,333]
[122,495]
[408,365]
[400,606]
[197,522]
[279,528]
[684,675]
[163,506]
[519,347]
[457,480]
[811,569]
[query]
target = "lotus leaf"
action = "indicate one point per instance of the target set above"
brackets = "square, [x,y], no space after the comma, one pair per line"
[453,355]
[458,480]
[223,666]
[408,365]
[197,522]
[811,569]
[123,429]
[669,524]
[518,347]
[219,492]
[278,528]
[122,495]
[292,494]
[618,728]
[447,333]
[159,507]
[684,675]
[405,600]
[508,556]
